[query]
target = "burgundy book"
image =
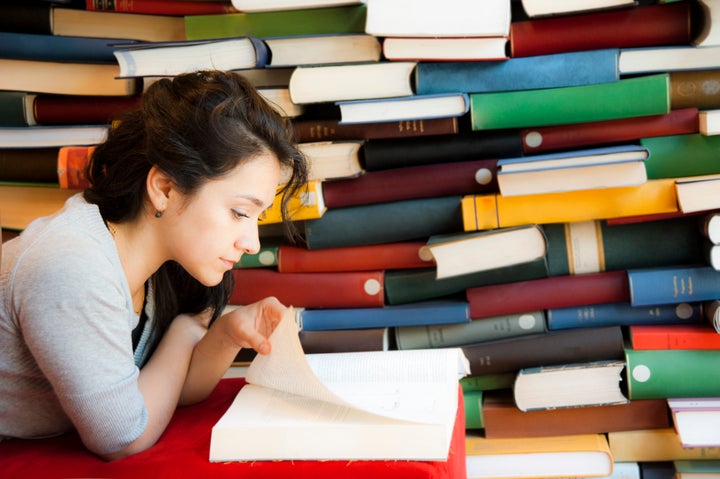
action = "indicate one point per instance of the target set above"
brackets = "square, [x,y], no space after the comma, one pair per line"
[576,135]
[426,181]
[83,110]
[346,289]
[545,293]
[309,129]
[162,7]
[641,26]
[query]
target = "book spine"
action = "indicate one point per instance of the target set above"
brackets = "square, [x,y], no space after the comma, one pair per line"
[640,26]
[161,7]
[640,96]
[671,285]
[72,163]
[310,130]
[622,314]
[546,293]
[83,110]
[701,336]
[688,89]
[344,341]
[475,331]
[542,71]
[29,165]
[12,108]
[699,153]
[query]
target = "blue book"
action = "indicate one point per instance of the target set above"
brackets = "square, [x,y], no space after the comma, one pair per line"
[414,314]
[55,48]
[523,73]
[673,284]
[622,314]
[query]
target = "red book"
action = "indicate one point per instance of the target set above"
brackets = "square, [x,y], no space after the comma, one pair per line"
[347,289]
[545,293]
[676,336]
[81,110]
[162,7]
[401,255]
[549,138]
[641,26]
[412,182]
[309,130]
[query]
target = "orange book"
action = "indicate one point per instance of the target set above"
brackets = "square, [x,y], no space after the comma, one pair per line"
[675,336]
[650,445]
[71,165]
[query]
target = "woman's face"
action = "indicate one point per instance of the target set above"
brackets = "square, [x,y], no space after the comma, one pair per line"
[209,231]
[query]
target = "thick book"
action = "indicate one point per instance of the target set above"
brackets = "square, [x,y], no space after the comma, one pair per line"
[465,253]
[51,136]
[708,32]
[709,122]
[547,293]
[66,78]
[389,222]
[481,212]
[671,373]
[591,383]
[697,194]
[638,96]
[696,420]
[13,106]
[297,50]
[331,19]
[21,203]
[623,314]
[589,169]
[415,314]
[687,89]
[30,46]
[410,107]
[579,455]
[287,388]
[383,256]
[427,18]
[542,71]
[382,154]
[546,8]
[30,165]
[328,129]
[119,25]
[49,109]
[160,59]
[345,289]
[655,446]
[673,336]
[71,165]
[546,349]
[644,25]
[699,153]
[503,419]
[272,5]
[162,7]
[332,160]
[345,340]
[634,61]
[673,284]
[355,81]
[445,48]
[410,182]
[596,133]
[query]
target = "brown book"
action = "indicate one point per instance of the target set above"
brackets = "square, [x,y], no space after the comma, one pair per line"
[308,129]
[503,419]
[693,89]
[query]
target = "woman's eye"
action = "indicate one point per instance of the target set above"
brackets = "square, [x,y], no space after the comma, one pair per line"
[240,214]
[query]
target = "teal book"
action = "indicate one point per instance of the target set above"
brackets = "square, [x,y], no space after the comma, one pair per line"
[676,156]
[57,48]
[525,73]
[347,19]
[12,108]
[647,95]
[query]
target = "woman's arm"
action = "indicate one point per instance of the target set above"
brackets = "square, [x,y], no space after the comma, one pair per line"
[245,327]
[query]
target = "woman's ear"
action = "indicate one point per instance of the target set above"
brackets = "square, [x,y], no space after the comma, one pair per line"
[159,188]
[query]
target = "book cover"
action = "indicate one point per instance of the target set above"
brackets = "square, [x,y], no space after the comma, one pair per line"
[623,314]
[696,420]
[119,25]
[20,204]
[542,71]
[413,314]
[696,468]
[29,165]
[71,163]
[445,48]
[331,19]
[547,293]
[474,331]
[162,7]
[693,88]
[54,48]
[699,153]
[595,133]
[655,446]
[643,25]
[310,129]
[345,340]
[51,136]
[410,182]
[346,289]
[639,96]
[672,284]
[672,373]
[409,107]
[286,388]
[673,336]
[635,61]
[323,49]
[503,419]
[48,109]
[544,8]
[306,204]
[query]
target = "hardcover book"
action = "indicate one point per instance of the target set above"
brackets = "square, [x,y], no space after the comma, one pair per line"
[696,420]
[410,107]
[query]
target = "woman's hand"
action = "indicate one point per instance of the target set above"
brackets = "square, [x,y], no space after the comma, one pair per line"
[250,326]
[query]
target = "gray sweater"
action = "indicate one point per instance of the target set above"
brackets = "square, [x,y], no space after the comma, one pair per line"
[66,317]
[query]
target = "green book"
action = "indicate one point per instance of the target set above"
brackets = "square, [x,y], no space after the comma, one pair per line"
[267,257]
[473,409]
[488,382]
[348,19]
[672,373]
[676,156]
[640,96]
[12,108]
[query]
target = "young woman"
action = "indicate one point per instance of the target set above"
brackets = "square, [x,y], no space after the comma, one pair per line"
[111,309]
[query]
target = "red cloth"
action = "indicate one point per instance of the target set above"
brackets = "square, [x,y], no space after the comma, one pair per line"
[183,451]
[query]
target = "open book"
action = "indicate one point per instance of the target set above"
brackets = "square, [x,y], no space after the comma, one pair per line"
[376,405]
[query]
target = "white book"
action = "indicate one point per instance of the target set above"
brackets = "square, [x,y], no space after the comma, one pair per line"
[698,193]
[696,420]
[412,107]
[51,136]
[540,8]
[709,122]
[668,58]
[274,5]
[377,405]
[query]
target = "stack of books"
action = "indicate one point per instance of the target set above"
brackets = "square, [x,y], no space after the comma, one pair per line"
[530,181]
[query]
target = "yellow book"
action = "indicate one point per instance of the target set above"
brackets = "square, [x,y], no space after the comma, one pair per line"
[497,211]
[307,204]
[655,445]
[20,204]
[581,455]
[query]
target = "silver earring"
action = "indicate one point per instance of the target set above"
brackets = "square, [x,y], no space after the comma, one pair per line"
[158,214]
